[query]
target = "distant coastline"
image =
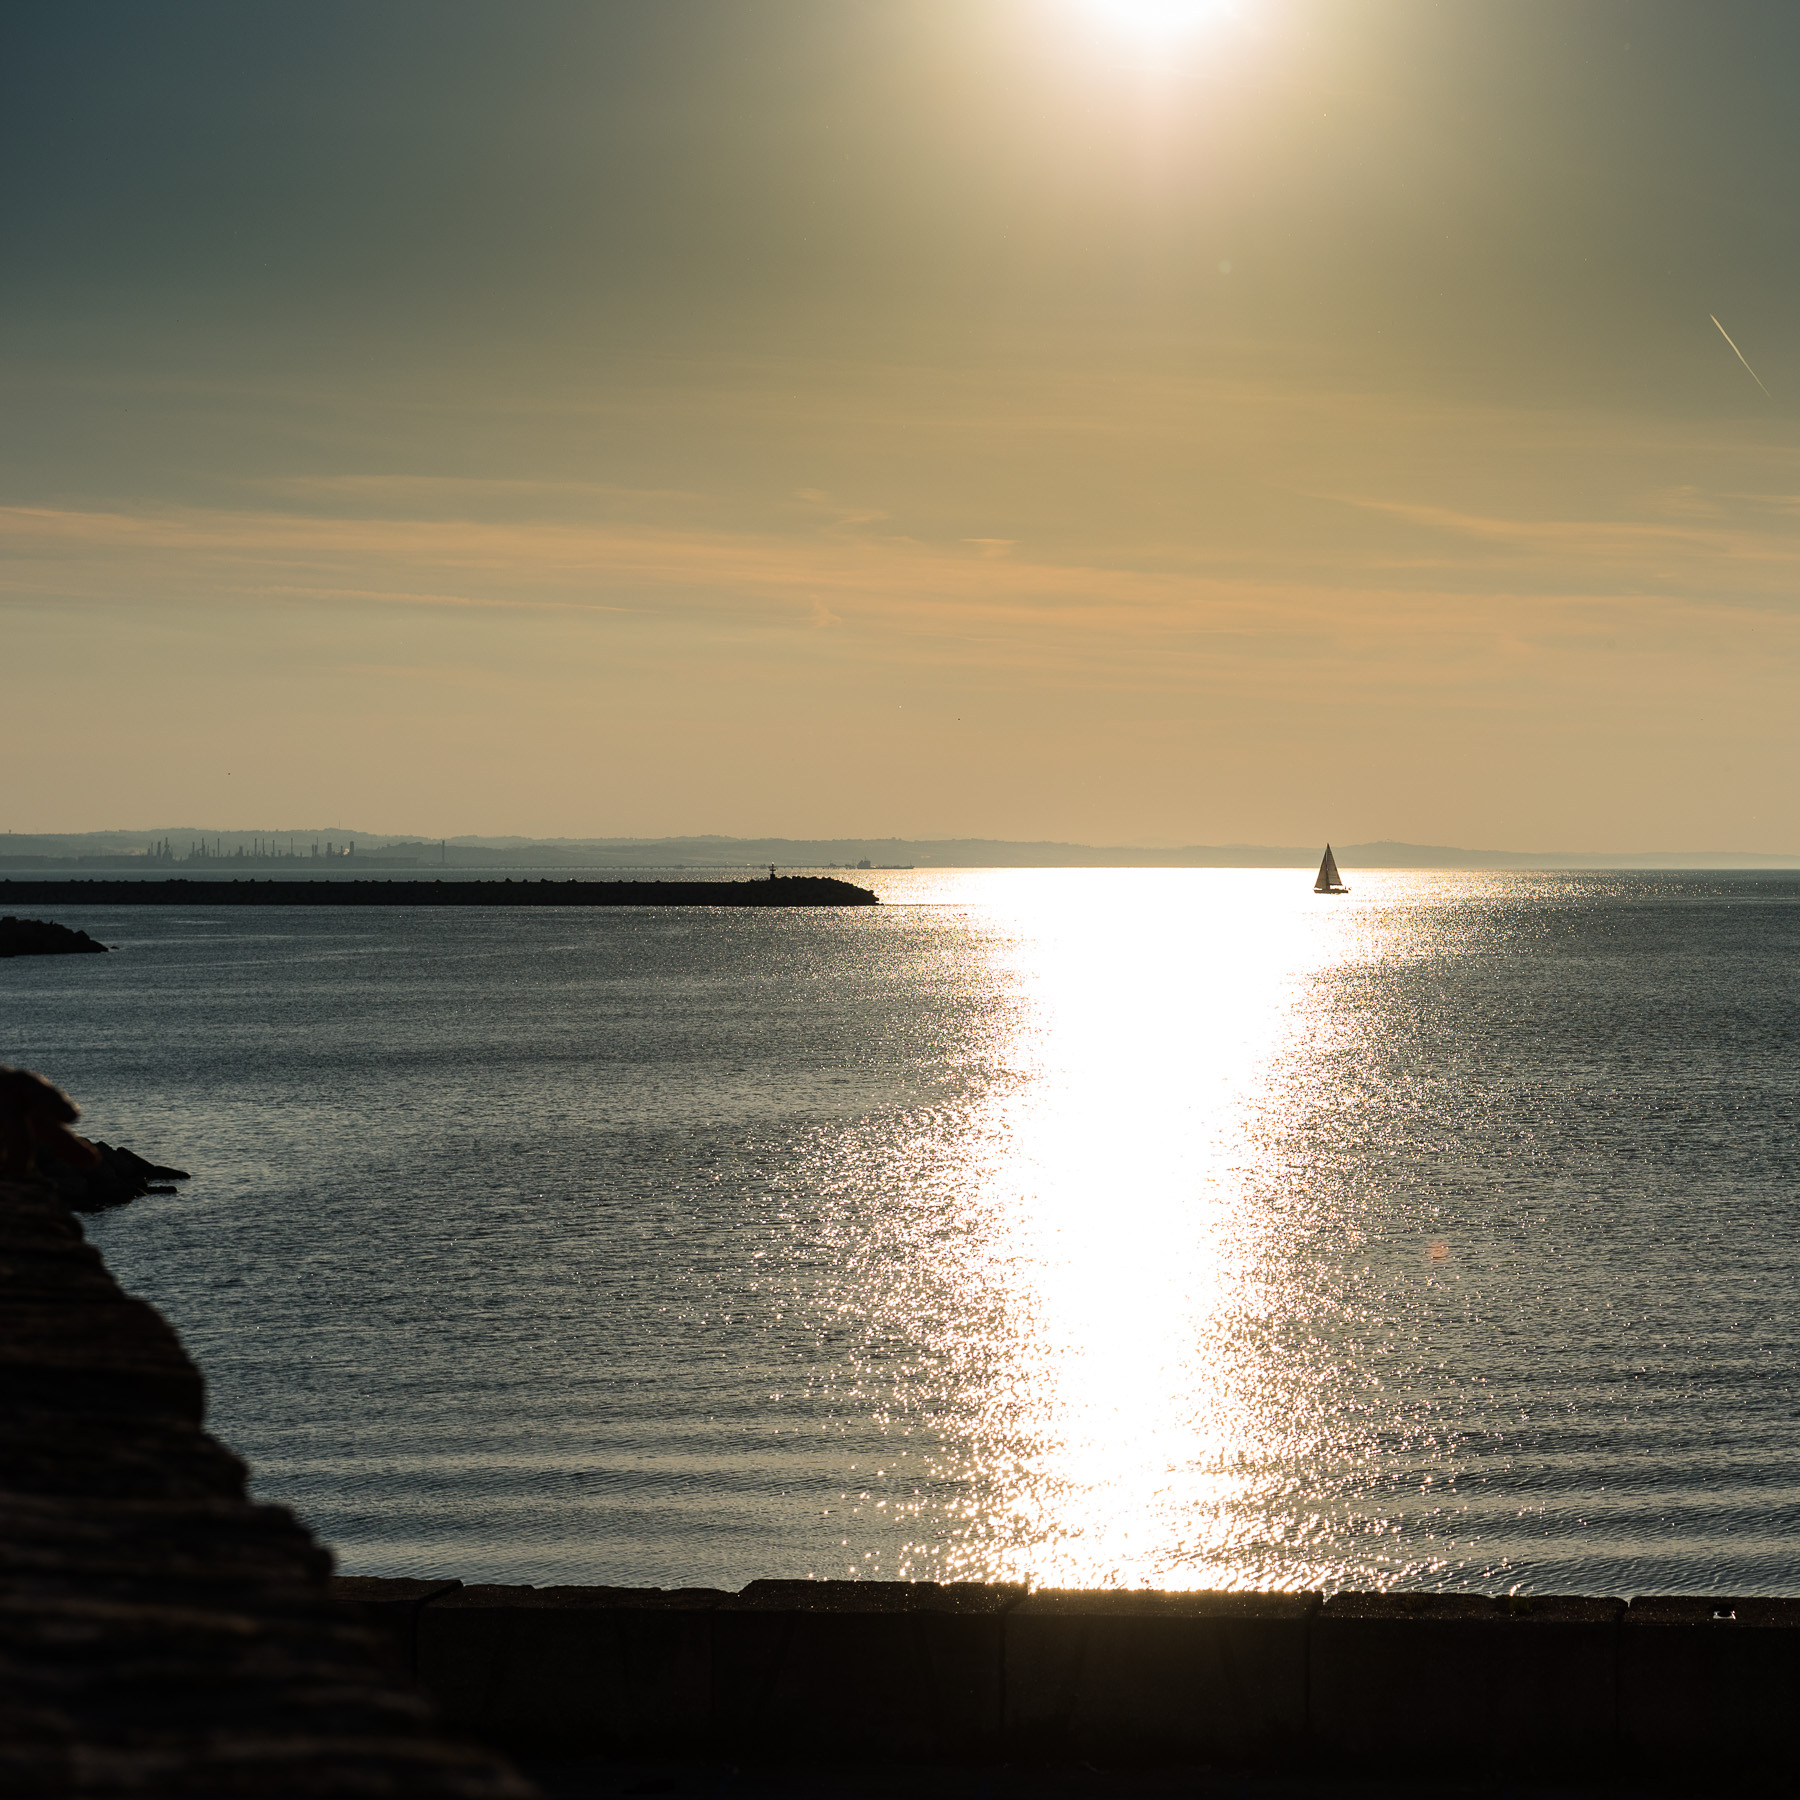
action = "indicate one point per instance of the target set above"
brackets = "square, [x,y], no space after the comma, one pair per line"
[189,851]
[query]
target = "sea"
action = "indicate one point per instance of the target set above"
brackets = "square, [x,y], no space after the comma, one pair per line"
[1088,1228]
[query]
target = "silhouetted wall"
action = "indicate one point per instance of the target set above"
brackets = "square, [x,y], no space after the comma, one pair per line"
[915,1669]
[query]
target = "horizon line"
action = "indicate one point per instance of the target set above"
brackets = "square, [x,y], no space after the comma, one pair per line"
[845,844]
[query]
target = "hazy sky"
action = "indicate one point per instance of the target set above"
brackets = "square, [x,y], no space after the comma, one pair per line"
[1146,422]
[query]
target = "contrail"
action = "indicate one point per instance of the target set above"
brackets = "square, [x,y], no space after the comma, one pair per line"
[1735,351]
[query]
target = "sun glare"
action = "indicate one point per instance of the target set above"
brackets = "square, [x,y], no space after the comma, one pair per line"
[1133,1415]
[1158,22]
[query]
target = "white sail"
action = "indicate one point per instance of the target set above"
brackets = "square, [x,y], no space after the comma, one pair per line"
[1329,880]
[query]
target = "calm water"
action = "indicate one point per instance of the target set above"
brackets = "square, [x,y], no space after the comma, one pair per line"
[1169,1228]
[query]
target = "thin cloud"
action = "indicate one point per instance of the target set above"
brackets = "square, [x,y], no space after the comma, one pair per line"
[442,491]
[392,597]
[1570,592]
[1655,552]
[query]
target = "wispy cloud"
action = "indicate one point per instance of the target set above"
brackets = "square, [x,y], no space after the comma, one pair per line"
[1532,586]
[1689,542]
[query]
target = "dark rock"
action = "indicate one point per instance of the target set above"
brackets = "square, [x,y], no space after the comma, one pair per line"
[160,1634]
[120,1175]
[35,1121]
[40,937]
[36,1139]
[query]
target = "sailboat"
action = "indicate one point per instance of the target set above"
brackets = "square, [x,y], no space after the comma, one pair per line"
[1329,882]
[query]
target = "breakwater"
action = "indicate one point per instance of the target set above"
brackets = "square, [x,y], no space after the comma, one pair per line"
[1394,1683]
[777,890]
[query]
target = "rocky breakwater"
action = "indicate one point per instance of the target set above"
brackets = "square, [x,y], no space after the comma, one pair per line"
[773,890]
[160,1634]
[42,937]
[87,1175]
[114,1177]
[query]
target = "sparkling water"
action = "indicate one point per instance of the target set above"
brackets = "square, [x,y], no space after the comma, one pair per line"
[1166,1228]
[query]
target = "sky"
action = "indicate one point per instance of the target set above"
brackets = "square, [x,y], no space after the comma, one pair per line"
[1117,421]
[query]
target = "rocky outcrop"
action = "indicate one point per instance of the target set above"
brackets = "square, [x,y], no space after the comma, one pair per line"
[120,1175]
[42,937]
[37,1138]
[160,1634]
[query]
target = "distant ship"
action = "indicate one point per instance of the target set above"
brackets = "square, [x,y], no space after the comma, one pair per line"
[1329,882]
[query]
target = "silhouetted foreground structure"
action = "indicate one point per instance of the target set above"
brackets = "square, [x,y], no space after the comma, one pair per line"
[1401,1684]
[780,890]
[159,1634]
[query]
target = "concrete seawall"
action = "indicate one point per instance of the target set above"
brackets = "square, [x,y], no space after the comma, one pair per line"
[896,1669]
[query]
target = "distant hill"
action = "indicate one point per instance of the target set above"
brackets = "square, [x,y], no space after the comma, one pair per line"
[21,851]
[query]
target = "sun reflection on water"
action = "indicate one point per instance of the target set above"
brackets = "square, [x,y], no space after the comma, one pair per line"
[1175,1228]
[1128,1251]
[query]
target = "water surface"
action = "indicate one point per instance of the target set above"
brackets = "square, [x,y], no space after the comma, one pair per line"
[1087,1227]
